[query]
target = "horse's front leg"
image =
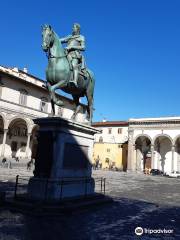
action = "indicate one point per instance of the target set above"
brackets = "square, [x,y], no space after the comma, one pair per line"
[53,89]
[52,96]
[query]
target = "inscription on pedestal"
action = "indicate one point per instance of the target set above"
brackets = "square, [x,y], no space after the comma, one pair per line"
[75,156]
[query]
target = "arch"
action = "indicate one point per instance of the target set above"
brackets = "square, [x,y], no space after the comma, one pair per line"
[142,144]
[18,121]
[176,144]
[27,121]
[2,127]
[175,139]
[3,118]
[18,136]
[34,129]
[162,135]
[163,152]
[142,135]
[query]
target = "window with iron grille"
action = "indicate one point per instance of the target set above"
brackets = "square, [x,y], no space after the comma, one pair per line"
[119,130]
[44,104]
[23,97]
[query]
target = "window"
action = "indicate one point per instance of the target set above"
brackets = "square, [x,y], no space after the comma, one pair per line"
[101,139]
[44,105]
[119,130]
[109,130]
[23,97]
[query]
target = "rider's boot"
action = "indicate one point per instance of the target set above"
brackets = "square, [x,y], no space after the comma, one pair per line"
[75,77]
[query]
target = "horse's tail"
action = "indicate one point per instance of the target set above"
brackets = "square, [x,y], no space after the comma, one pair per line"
[91,82]
[89,94]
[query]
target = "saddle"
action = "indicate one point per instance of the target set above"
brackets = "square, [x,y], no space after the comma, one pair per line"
[83,72]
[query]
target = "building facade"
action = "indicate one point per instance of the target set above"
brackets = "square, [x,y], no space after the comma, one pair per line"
[110,146]
[23,97]
[154,143]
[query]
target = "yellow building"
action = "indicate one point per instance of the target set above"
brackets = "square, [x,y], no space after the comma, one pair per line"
[111,145]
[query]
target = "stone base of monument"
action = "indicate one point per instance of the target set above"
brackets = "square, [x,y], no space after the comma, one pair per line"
[63,162]
[58,189]
[41,208]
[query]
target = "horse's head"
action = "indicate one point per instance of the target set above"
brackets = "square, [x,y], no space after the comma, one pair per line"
[47,35]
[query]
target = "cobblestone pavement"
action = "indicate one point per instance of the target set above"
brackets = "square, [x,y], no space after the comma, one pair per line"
[150,202]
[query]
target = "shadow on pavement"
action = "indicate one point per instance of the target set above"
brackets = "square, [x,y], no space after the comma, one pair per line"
[117,220]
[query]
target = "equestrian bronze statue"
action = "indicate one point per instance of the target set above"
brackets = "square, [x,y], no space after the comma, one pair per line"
[66,68]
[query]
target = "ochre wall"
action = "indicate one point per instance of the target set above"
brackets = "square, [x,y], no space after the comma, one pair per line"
[117,154]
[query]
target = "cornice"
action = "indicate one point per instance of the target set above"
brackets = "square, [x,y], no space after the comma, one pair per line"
[155,124]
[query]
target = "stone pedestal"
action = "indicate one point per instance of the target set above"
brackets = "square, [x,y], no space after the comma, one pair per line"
[63,161]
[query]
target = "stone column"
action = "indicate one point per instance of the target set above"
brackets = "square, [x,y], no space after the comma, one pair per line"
[172,163]
[4,142]
[134,157]
[131,148]
[28,144]
[152,157]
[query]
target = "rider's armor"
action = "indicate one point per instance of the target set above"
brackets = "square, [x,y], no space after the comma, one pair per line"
[75,44]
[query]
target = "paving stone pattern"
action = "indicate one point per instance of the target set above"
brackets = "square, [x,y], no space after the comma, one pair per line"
[151,202]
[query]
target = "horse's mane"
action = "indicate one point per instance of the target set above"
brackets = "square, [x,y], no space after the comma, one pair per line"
[55,34]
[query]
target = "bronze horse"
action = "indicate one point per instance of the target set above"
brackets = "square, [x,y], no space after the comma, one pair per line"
[59,73]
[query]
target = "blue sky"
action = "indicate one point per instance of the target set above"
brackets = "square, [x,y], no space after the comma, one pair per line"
[132,46]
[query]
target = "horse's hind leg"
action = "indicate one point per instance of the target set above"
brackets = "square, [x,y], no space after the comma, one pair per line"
[78,107]
[90,106]
[89,96]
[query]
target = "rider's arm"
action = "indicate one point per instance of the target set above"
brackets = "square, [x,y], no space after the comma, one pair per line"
[65,39]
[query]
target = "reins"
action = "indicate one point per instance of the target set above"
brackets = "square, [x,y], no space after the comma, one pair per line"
[49,55]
